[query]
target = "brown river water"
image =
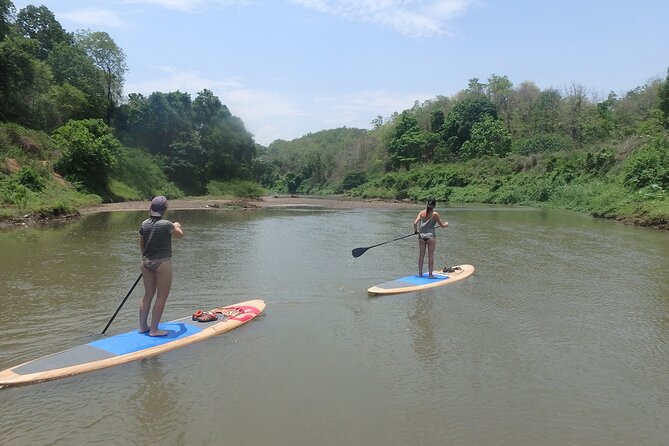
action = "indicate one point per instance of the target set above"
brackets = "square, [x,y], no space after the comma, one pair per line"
[561,337]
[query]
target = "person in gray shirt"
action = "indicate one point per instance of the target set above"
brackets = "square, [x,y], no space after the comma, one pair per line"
[156,245]
[424,226]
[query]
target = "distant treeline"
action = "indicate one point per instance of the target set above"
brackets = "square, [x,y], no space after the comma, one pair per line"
[496,143]
[69,86]
[63,114]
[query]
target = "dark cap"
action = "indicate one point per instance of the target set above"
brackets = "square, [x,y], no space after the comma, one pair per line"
[158,206]
[431,203]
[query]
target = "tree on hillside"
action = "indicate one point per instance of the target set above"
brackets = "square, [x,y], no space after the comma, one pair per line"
[109,58]
[578,113]
[545,113]
[407,143]
[23,79]
[521,104]
[499,92]
[71,65]
[664,101]
[7,11]
[90,151]
[40,25]
[459,122]
[156,121]
[637,106]
[489,137]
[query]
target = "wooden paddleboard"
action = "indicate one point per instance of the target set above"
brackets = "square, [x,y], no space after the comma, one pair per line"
[416,283]
[130,346]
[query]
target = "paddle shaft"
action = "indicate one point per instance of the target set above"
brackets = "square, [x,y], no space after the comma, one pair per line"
[124,299]
[357,252]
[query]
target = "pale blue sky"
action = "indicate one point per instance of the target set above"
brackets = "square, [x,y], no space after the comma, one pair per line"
[292,67]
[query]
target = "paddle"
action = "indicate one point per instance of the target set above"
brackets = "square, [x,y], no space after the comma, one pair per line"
[357,252]
[124,299]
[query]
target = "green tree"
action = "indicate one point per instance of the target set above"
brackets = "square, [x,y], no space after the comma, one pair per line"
[184,164]
[664,101]
[38,23]
[499,93]
[545,113]
[157,121]
[489,137]
[110,59]
[407,143]
[90,152]
[7,11]
[23,79]
[71,65]
[522,101]
[459,122]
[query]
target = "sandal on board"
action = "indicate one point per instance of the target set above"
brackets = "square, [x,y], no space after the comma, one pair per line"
[229,311]
[207,317]
[197,314]
[451,269]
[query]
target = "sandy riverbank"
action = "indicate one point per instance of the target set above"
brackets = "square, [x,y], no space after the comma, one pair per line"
[247,203]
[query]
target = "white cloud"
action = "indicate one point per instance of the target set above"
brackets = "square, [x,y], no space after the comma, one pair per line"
[92,17]
[267,115]
[359,109]
[270,116]
[189,5]
[419,18]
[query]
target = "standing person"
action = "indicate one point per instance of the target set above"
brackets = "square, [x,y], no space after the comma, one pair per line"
[156,244]
[424,225]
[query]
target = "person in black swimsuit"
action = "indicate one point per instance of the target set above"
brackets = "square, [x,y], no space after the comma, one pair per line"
[156,244]
[424,225]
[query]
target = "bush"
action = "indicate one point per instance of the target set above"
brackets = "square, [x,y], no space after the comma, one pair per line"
[30,179]
[144,174]
[545,142]
[353,179]
[235,189]
[648,165]
[14,193]
[89,153]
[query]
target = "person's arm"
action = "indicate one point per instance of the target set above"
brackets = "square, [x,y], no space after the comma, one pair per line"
[177,232]
[415,224]
[442,224]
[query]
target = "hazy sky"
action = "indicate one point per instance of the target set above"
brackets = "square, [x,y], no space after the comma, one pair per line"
[292,67]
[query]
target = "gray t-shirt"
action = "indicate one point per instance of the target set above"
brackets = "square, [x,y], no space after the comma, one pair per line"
[157,237]
[426,227]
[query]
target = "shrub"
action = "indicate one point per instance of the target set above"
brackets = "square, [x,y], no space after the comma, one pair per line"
[648,165]
[545,142]
[235,188]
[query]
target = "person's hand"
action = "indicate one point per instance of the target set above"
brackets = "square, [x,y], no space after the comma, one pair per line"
[177,224]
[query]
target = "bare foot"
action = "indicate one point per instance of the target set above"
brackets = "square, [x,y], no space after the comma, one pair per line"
[158,333]
[143,330]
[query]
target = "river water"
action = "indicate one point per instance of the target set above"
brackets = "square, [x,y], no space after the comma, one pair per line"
[560,337]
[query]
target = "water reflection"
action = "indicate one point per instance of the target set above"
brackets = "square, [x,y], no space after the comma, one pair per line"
[560,337]
[154,407]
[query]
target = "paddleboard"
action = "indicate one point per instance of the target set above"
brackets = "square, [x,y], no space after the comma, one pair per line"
[130,346]
[416,283]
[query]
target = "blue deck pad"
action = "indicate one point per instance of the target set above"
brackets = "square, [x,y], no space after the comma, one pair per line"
[417,280]
[134,341]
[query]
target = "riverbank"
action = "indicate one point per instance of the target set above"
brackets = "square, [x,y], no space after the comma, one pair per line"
[193,203]
[289,201]
[254,203]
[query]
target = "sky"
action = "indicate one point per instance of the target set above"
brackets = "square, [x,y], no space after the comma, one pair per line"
[292,67]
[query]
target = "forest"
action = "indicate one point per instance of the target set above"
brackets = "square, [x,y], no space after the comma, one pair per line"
[70,137]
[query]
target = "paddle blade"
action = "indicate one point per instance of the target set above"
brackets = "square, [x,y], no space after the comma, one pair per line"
[357,252]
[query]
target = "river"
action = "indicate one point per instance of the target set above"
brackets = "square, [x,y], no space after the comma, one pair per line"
[560,337]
